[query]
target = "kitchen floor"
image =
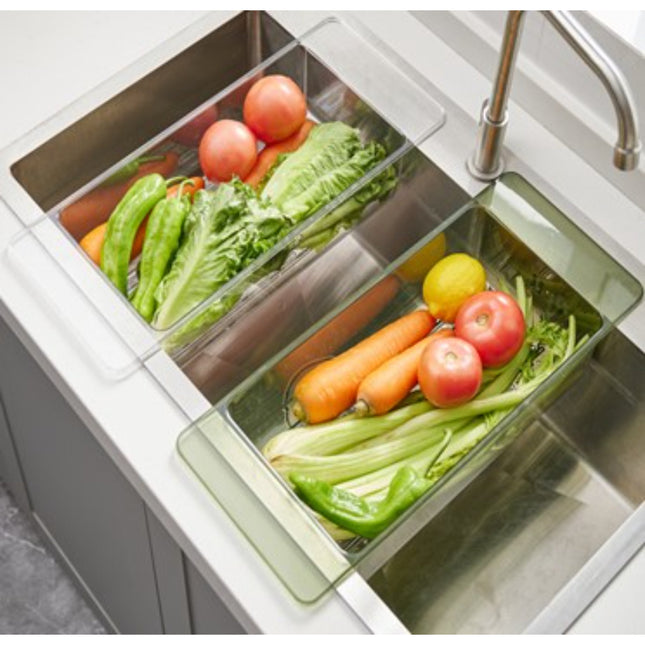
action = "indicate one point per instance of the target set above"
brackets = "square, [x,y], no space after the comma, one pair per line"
[36,594]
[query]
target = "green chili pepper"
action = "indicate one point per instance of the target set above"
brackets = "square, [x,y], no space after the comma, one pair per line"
[122,226]
[129,170]
[163,233]
[352,512]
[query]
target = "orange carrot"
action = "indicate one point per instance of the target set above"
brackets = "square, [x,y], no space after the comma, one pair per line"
[268,156]
[92,243]
[93,209]
[330,338]
[390,383]
[197,183]
[330,387]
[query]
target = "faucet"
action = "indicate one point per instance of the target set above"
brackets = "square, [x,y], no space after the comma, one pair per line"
[486,162]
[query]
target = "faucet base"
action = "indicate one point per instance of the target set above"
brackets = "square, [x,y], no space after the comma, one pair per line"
[486,162]
[480,174]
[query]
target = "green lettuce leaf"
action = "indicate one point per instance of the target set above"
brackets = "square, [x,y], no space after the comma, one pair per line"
[350,211]
[228,229]
[196,326]
[328,147]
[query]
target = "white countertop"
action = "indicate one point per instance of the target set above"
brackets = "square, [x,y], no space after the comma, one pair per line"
[134,419]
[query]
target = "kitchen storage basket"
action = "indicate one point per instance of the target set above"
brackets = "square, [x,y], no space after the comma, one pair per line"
[345,74]
[514,231]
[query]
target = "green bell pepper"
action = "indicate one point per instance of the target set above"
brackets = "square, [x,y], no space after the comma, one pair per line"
[129,170]
[163,234]
[352,512]
[123,224]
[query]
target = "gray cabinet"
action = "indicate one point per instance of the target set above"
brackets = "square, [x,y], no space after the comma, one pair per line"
[126,563]
[86,508]
[9,464]
[188,604]
[208,613]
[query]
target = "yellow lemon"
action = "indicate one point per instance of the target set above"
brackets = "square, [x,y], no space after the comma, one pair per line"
[450,283]
[417,266]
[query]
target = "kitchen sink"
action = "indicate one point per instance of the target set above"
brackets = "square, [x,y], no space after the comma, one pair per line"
[497,227]
[511,552]
[343,74]
[527,530]
[87,148]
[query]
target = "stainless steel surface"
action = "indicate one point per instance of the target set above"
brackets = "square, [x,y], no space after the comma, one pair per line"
[569,486]
[596,573]
[254,37]
[502,84]
[75,156]
[254,412]
[485,163]
[628,146]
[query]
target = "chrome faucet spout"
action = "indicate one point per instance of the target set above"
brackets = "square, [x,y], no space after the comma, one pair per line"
[486,161]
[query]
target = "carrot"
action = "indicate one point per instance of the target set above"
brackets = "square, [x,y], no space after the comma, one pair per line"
[197,183]
[92,243]
[330,387]
[390,383]
[328,339]
[95,208]
[137,245]
[268,156]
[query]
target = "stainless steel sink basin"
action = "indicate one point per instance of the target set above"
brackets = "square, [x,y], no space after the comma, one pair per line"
[76,155]
[487,540]
[518,536]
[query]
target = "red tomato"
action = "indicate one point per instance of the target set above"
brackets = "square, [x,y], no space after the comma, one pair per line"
[450,372]
[190,133]
[493,323]
[275,108]
[227,148]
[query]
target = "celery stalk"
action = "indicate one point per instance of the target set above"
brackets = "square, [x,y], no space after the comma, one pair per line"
[500,383]
[379,480]
[338,468]
[340,434]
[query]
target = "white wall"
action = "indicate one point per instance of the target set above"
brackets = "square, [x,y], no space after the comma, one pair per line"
[629,25]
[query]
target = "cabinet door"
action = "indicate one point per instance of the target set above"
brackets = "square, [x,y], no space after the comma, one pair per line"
[91,512]
[188,603]
[208,613]
[9,466]
[171,579]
